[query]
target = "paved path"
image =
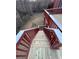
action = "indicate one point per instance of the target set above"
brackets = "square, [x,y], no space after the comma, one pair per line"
[40,48]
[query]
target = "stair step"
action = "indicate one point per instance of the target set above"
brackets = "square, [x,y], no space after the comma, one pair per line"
[25,40]
[20,55]
[24,45]
[22,50]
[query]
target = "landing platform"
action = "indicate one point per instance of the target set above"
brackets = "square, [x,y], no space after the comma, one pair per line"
[40,48]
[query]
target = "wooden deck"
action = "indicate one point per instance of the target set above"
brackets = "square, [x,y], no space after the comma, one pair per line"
[40,48]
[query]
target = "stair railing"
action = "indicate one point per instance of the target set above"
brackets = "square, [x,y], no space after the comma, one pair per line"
[54,36]
[23,42]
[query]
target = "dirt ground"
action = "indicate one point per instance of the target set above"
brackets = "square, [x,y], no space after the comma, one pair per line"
[34,21]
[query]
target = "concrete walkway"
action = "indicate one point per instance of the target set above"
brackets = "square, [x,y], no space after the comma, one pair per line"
[40,48]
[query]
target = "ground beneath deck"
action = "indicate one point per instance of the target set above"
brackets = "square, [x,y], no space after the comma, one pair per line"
[34,21]
[40,48]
